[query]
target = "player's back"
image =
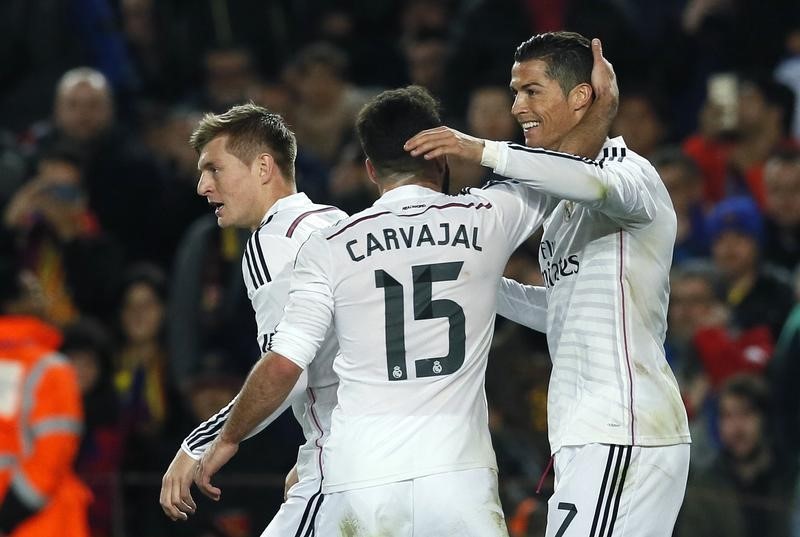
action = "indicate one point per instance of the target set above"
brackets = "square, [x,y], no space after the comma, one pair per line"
[414,281]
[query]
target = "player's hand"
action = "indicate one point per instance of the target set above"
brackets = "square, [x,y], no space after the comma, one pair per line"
[218,453]
[441,141]
[176,498]
[291,480]
[604,80]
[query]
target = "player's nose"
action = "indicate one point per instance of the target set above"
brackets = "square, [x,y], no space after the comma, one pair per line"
[203,185]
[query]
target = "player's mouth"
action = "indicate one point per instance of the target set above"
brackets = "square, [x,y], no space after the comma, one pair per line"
[528,125]
[216,206]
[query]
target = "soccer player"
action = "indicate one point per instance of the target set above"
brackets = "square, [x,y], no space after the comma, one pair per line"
[410,286]
[246,163]
[246,160]
[618,428]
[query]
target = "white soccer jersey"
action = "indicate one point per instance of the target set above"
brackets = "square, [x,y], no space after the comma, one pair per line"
[410,286]
[605,257]
[267,266]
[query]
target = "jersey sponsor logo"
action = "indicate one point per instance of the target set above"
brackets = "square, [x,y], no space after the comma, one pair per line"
[554,270]
[413,237]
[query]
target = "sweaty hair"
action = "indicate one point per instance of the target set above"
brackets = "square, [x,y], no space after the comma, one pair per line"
[568,56]
[386,122]
[251,130]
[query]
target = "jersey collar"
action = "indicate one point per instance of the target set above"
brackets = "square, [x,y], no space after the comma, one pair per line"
[406,192]
[298,199]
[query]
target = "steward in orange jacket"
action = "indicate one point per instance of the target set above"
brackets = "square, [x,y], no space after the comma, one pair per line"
[40,424]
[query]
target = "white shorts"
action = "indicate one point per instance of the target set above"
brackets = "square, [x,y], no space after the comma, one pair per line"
[298,514]
[606,490]
[464,503]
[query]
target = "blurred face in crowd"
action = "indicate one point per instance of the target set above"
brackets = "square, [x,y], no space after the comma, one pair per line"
[319,86]
[488,115]
[753,109]
[229,75]
[232,188]
[540,106]
[83,108]
[638,123]
[782,182]
[735,254]
[691,300]
[684,188]
[740,426]
[142,313]
[426,61]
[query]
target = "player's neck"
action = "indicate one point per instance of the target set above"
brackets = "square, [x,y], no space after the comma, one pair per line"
[398,180]
[276,192]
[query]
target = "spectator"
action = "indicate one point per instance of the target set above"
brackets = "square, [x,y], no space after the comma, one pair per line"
[788,72]
[782,209]
[40,417]
[784,371]
[488,117]
[75,263]
[121,178]
[328,103]
[745,491]
[641,120]
[684,183]
[732,157]
[230,74]
[208,307]
[88,347]
[756,294]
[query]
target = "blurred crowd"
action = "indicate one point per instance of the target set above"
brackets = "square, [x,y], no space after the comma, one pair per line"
[97,183]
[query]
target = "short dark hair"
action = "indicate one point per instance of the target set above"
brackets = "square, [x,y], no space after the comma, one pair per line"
[386,122]
[674,155]
[568,56]
[251,129]
[752,389]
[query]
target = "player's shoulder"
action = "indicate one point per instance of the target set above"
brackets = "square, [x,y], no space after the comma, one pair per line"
[348,222]
[298,220]
[617,153]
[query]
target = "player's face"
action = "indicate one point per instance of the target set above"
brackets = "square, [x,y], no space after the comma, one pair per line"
[540,106]
[231,187]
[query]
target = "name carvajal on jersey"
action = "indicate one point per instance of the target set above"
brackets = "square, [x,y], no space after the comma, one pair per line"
[413,236]
[553,270]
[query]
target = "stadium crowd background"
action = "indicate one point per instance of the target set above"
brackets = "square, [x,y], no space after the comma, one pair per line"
[97,181]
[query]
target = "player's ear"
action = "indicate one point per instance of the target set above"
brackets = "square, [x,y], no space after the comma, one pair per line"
[580,96]
[371,171]
[266,165]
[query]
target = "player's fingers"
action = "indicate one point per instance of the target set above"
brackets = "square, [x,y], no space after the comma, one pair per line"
[176,505]
[597,49]
[445,143]
[186,497]
[204,484]
[423,136]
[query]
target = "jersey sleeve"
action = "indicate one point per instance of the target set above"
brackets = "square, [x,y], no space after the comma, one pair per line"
[620,188]
[523,304]
[309,311]
[196,443]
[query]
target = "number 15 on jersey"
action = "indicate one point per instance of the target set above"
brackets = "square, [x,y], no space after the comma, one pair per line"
[423,277]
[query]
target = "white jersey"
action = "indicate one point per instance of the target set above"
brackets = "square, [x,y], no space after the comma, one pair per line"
[410,285]
[605,257]
[267,266]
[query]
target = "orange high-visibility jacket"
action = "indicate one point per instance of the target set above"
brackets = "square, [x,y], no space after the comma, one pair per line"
[40,425]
